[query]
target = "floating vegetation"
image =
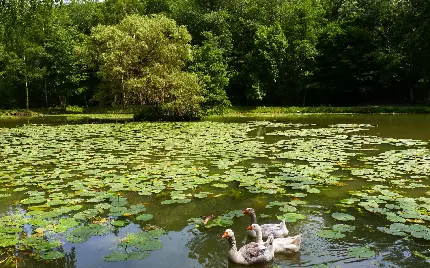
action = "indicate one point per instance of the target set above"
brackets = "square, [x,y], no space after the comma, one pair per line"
[144,217]
[83,233]
[330,234]
[361,252]
[343,216]
[80,181]
[140,244]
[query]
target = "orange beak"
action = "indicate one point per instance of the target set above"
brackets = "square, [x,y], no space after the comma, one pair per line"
[249,227]
[245,211]
[224,235]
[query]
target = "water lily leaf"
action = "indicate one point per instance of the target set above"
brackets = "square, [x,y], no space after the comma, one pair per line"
[33,200]
[291,217]
[40,244]
[343,216]
[118,211]
[144,240]
[135,209]
[343,228]
[65,224]
[83,233]
[420,231]
[8,240]
[173,201]
[119,223]
[118,256]
[144,217]
[86,214]
[395,218]
[52,255]
[330,234]
[225,220]
[10,229]
[361,252]
[220,185]
[287,208]
[313,191]
[395,229]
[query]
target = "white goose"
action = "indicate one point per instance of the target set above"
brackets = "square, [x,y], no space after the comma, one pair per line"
[276,229]
[284,245]
[250,253]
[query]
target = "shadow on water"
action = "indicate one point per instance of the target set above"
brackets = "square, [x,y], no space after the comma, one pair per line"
[57,120]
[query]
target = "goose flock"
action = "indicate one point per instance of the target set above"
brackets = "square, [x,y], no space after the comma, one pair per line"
[277,241]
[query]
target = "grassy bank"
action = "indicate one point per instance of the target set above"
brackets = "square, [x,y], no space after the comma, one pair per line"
[73,112]
[237,110]
[127,113]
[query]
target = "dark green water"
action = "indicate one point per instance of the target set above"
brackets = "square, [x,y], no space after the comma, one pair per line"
[185,246]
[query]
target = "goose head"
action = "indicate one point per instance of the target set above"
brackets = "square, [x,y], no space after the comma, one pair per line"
[228,233]
[248,211]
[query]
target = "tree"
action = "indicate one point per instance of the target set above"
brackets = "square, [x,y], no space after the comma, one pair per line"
[142,61]
[211,66]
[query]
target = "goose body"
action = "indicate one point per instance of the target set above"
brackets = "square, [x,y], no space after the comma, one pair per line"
[250,253]
[278,230]
[287,245]
[283,245]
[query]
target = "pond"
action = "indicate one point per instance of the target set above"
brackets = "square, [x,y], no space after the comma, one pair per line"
[126,194]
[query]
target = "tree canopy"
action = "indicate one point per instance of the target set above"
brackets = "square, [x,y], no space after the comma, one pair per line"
[208,54]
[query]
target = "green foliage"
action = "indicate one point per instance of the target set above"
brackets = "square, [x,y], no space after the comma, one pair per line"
[142,61]
[211,66]
[246,52]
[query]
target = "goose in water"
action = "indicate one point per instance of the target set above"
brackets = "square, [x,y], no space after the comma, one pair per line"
[250,253]
[283,245]
[276,229]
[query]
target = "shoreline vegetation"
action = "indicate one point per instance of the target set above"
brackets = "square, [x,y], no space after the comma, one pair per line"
[128,113]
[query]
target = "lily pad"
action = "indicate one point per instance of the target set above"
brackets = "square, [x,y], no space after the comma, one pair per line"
[361,252]
[343,216]
[83,233]
[291,217]
[118,256]
[343,228]
[52,255]
[144,217]
[330,234]
[119,223]
[144,240]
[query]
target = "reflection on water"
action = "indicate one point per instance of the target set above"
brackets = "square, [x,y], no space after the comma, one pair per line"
[185,246]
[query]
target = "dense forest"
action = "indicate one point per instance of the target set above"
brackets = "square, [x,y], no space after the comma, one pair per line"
[183,55]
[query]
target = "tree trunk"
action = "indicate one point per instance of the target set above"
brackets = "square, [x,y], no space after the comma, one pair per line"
[46,93]
[304,97]
[411,94]
[27,102]
[124,102]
